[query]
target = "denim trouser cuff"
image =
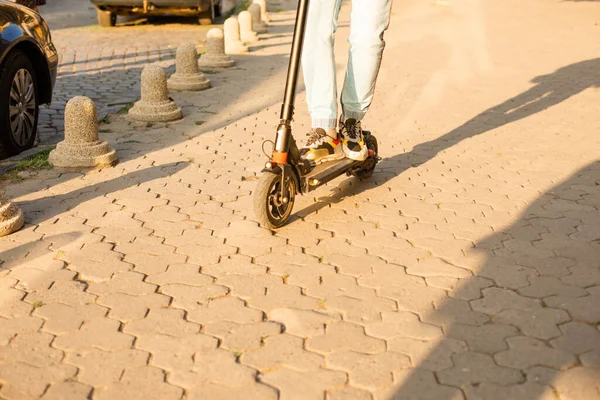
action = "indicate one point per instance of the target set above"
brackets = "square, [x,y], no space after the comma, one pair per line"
[357,115]
[325,123]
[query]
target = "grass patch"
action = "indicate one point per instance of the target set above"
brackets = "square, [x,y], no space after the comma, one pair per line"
[105,120]
[200,122]
[35,162]
[125,109]
[207,112]
[208,71]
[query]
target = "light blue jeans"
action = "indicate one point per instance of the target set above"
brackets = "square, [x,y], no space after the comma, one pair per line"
[368,21]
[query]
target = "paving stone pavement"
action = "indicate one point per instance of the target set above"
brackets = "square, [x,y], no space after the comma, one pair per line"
[466,268]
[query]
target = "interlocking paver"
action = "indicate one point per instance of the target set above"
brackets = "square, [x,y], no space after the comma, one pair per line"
[165,321]
[544,286]
[102,333]
[11,327]
[304,323]
[348,393]
[402,324]
[525,391]
[282,351]
[125,282]
[449,312]
[368,371]
[225,309]
[581,308]
[490,338]
[69,390]
[496,300]
[32,348]
[125,307]
[314,383]
[189,297]
[525,352]
[474,368]
[255,391]
[215,366]
[429,355]
[60,318]
[341,336]
[25,381]
[101,368]
[417,384]
[283,296]
[67,292]
[140,383]
[578,338]
[242,337]
[541,324]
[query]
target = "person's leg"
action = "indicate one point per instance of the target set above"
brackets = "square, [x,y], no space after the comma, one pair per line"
[368,22]
[369,19]
[318,62]
[318,65]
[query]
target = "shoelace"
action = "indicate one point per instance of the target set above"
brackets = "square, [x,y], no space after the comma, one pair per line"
[351,130]
[314,136]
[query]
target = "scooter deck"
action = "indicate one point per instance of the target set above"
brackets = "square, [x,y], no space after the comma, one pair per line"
[328,171]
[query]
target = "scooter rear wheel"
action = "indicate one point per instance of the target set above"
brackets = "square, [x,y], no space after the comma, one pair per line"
[270,208]
[371,143]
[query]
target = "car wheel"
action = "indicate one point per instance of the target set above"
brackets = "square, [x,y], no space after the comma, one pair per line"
[107,19]
[19,107]
[205,18]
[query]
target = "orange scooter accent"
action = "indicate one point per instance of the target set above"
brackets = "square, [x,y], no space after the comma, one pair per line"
[279,158]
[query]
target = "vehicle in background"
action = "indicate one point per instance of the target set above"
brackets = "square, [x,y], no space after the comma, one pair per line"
[28,65]
[204,10]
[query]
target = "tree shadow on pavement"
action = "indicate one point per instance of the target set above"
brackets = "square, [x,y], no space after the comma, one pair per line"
[532,313]
[549,91]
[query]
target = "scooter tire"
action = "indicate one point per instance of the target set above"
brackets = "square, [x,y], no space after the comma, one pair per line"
[371,143]
[270,210]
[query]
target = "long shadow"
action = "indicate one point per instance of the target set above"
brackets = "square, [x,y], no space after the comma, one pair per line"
[549,91]
[538,313]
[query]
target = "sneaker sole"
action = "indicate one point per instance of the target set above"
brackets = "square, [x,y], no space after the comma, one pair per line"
[356,155]
[332,157]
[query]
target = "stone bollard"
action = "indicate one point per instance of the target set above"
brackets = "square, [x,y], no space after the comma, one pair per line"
[246,32]
[257,23]
[263,10]
[233,42]
[155,104]
[81,147]
[187,75]
[215,56]
[11,217]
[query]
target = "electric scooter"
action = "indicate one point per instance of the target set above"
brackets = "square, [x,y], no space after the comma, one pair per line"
[286,173]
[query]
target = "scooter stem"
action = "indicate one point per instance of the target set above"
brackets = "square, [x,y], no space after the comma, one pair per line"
[287,109]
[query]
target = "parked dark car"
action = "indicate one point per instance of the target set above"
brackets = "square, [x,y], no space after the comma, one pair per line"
[205,10]
[28,63]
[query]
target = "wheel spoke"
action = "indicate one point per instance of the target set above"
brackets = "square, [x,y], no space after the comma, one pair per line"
[30,93]
[14,92]
[14,125]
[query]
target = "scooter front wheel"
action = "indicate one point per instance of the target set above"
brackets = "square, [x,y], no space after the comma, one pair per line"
[272,208]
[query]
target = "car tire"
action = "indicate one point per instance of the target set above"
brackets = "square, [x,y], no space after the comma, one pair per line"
[107,19]
[205,18]
[19,103]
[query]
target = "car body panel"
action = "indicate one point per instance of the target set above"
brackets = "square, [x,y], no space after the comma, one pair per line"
[155,7]
[24,28]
